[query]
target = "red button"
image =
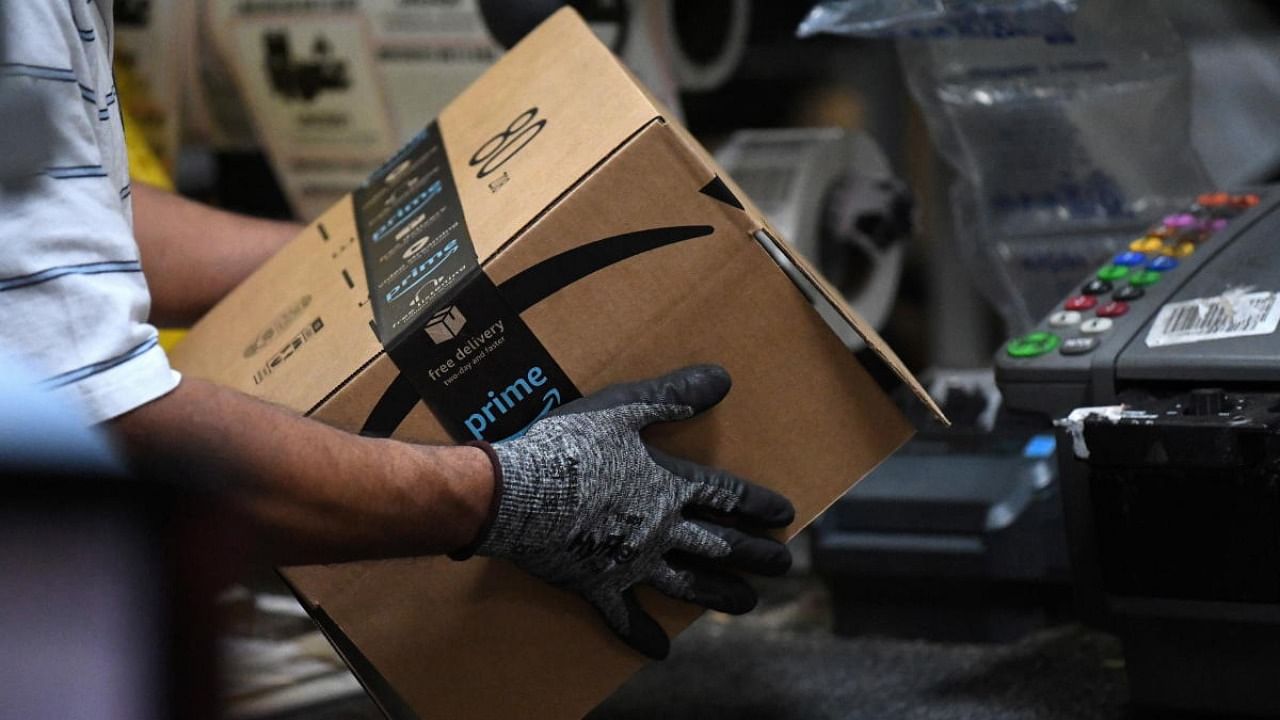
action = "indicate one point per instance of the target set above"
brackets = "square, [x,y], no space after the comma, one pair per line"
[1081,302]
[1113,309]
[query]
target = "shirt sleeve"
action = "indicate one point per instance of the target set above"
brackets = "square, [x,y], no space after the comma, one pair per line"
[73,300]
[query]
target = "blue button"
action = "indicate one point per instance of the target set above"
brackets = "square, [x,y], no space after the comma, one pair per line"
[1129,259]
[1040,446]
[1163,263]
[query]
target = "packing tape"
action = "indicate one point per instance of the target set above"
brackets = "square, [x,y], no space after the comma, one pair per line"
[809,180]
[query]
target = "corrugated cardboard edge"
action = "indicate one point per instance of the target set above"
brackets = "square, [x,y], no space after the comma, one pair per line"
[812,276]
[376,687]
[815,279]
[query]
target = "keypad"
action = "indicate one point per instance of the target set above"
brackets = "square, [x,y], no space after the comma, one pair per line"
[1083,322]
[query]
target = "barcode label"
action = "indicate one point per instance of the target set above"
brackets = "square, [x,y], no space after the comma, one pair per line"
[1226,316]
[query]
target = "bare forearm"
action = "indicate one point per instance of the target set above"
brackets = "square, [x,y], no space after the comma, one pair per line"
[316,493]
[193,255]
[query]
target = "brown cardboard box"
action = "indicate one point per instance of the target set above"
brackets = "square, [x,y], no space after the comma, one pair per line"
[551,220]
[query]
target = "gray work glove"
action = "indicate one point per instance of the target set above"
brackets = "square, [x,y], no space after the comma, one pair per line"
[584,504]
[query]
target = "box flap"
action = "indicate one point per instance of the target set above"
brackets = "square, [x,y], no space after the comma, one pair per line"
[819,290]
[813,278]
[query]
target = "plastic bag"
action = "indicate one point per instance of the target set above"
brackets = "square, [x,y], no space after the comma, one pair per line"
[1064,143]
[938,19]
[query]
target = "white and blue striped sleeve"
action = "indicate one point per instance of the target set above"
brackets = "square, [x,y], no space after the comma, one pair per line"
[73,301]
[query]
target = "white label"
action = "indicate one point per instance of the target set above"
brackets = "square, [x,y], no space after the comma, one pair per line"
[1232,314]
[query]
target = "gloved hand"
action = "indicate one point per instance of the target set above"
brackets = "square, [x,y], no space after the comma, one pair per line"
[584,504]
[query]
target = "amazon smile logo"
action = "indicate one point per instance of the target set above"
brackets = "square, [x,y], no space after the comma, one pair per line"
[511,397]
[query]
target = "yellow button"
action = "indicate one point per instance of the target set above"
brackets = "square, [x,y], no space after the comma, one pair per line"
[1182,249]
[1146,244]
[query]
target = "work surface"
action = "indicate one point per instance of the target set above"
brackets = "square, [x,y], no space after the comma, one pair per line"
[782,663]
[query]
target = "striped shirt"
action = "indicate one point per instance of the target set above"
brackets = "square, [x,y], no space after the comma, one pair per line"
[73,301]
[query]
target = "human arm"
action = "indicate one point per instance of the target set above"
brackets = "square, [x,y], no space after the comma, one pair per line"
[314,493]
[193,254]
[579,501]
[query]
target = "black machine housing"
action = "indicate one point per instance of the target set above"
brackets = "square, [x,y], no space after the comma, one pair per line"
[1171,488]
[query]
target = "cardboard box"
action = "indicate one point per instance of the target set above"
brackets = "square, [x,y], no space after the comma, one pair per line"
[550,234]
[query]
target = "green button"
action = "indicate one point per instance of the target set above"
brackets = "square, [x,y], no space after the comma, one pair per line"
[1033,344]
[1111,273]
[1143,278]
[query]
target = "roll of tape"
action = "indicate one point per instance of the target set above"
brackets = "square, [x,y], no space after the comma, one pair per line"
[708,39]
[818,187]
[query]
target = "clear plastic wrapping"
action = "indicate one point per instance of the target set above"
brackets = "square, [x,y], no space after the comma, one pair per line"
[1068,130]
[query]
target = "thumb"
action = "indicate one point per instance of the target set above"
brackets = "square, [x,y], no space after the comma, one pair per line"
[669,397]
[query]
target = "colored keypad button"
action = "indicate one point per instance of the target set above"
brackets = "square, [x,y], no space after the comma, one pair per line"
[1127,293]
[1144,278]
[1129,259]
[1096,287]
[1162,263]
[1065,318]
[1094,326]
[1033,344]
[1179,221]
[1080,302]
[1112,272]
[1147,244]
[1213,199]
[1182,249]
[1078,345]
[1115,308]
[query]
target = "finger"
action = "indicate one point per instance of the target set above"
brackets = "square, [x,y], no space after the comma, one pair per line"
[711,589]
[729,493]
[635,627]
[674,396]
[732,549]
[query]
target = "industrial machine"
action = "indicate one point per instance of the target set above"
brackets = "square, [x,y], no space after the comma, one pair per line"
[1163,369]
[956,537]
